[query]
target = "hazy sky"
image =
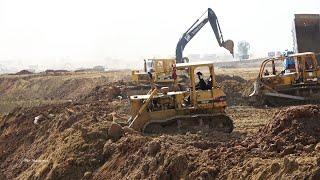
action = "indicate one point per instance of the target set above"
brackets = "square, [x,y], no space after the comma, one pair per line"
[88,32]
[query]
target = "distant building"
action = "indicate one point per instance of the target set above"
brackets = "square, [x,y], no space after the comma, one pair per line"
[271,54]
[274,54]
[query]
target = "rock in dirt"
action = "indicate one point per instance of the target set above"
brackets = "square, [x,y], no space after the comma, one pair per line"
[87,175]
[154,147]
[38,119]
[115,131]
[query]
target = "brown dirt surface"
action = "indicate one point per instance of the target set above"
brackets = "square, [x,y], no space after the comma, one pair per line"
[292,130]
[42,89]
[67,138]
[72,142]
[78,140]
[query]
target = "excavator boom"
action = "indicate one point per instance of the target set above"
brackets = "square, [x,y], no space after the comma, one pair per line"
[195,28]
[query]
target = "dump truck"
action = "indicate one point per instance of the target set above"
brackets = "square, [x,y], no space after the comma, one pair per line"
[306,33]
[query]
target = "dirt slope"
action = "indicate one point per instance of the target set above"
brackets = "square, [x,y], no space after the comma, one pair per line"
[39,89]
[71,141]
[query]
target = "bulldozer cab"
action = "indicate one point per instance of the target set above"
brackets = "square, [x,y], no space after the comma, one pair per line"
[203,88]
[292,69]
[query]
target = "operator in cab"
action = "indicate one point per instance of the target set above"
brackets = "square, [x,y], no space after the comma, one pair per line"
[202,84]
[288,63]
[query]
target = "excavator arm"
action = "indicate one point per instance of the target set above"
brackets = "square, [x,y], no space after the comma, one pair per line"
[195,28]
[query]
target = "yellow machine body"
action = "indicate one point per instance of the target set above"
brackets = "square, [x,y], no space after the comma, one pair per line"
[300,82]
[159,70]
[159,108]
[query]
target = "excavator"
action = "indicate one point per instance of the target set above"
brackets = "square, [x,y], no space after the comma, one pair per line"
[195,28]
[159,70]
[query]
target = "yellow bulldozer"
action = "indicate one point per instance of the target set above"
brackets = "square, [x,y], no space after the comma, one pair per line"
[194,105]
[157,70]
[286,80]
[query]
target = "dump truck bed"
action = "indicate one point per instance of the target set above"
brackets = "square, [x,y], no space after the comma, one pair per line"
[306,33]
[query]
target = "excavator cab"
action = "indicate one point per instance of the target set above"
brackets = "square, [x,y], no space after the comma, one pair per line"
[190,109]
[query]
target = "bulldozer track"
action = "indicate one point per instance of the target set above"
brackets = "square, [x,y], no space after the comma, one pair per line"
[190,123]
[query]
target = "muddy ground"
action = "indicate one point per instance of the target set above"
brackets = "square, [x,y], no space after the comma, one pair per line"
[72,140]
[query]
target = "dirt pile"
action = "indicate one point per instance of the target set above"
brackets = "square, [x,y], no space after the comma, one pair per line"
[103,93]
[235,88]
[287,147]
[165,157]
[293,130]
[65,142]
[40,89]
[22,72]
[293,167]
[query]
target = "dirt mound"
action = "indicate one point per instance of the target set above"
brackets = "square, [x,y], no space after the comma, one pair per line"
[286,147]
[234,87]
[103,93]
[222,77]
[66,140]
[294,129]
[22,72]
[304,167]
[166,157]
[39,89]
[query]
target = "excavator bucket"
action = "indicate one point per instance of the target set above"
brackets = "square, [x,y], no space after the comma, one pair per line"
[229,45]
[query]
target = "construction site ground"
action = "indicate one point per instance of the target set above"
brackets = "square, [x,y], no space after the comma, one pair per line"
[60,126]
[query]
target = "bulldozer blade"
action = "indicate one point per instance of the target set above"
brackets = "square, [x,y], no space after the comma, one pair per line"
[285,96]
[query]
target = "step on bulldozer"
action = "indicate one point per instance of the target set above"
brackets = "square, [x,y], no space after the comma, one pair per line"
[287,80]
[194,105]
